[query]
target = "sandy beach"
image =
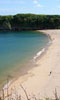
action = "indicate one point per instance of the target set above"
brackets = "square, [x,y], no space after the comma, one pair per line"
[44,79]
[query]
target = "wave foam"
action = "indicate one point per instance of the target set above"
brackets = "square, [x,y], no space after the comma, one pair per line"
[39,53]
[43,50]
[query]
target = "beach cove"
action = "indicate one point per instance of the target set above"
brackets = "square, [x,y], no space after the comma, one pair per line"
[43,79]
[17,51]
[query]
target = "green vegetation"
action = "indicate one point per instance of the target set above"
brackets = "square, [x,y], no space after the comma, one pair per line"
[29,22]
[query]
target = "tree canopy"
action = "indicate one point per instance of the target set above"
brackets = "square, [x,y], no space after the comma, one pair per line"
[29,21]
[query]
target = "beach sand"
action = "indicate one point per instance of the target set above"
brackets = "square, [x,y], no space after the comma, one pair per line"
[44,79]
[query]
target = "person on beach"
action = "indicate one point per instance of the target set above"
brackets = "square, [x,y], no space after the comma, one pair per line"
[50,73]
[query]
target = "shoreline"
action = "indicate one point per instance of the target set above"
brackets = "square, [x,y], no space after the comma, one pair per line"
[36,79]
[38,56]
[19,67]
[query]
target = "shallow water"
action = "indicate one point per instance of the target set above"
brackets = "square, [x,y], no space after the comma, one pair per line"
[18,48]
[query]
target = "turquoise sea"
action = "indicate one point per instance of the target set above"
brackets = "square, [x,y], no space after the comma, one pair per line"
[17,49]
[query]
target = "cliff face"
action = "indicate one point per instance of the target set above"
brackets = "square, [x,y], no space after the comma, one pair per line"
[18,28]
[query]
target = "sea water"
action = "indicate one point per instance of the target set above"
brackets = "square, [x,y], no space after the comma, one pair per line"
[17,49]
